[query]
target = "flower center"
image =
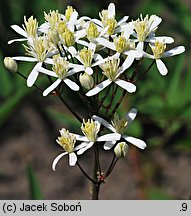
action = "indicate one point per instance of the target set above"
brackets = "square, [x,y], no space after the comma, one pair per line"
[92,31]
[119,123]
[60,67]
[68,37]
[90,129]
[86,56]
[53,17]
[111,23]
[30,26]
[158,49]
[39,49]
[110,68]
[104,17]
[142,27]
[66,140]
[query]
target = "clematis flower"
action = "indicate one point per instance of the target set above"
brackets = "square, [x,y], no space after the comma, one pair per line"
[67,141]
[90,129]
[119,126]
[86,57]
[108,20]
[41,52]
[122,45]
[112,71]
[29,30]
[158,49]
[144,30]
[62,72]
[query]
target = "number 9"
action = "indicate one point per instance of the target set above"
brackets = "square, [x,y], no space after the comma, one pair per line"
[184,206]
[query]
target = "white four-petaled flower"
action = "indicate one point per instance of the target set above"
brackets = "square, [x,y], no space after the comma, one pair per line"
[119,125]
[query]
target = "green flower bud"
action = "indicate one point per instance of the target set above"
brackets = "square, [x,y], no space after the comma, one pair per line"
[121,149]
[86,81]
[10,64]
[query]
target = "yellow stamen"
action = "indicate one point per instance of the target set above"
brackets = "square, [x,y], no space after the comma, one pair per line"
[158,49]
[110,68]
[92,31]
[66,140]
[90,129]
[30,26]
[86,56]
[119,123]
[60,67]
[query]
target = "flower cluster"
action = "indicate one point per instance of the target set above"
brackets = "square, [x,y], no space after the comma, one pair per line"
[94,57]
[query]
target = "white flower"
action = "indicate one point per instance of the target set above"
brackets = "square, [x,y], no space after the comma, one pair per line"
[62,72]
[119,125]
[108,21]
[158,49]
[112,71]
[29,30]
[122,45]
[90,129]
[41,52]
[145,30]
[86,57]
[67,140]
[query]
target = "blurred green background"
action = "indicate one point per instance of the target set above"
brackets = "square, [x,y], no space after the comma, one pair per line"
[29,123]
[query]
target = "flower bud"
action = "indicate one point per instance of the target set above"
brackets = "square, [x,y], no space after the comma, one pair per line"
[121,149]
[86,81]
[10,64]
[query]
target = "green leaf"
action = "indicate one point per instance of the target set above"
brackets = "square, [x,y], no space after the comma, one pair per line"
[34,187]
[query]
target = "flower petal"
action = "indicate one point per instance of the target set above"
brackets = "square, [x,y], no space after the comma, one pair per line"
[108,145]
[131,115]
[161,67]
[72,21]
[109,137]
[72,159]
[175,51]
[89,71]
[104,123]
[155,22]
[137,142]
[130,87]
[89,145]
[16,40]
[111,10]
[98,22]
[33,74]
[140,46]
[82,145]
[57,159]
[106,43]
[52,87]
[164,39]
[24,58]
[127,63]
[19,30]
[80,137]
[122,20]
[71,84]
[98,88]
[47,72]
